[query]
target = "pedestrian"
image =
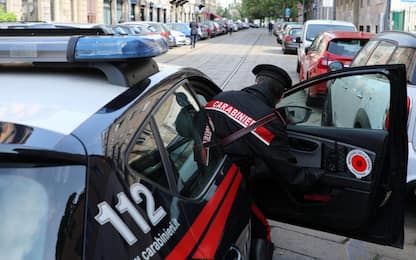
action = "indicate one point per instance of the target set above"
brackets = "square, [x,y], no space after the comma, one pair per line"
[194,33]
[230,29]
[267,149]
[270,27]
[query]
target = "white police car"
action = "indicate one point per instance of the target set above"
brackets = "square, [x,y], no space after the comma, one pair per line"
[98,159]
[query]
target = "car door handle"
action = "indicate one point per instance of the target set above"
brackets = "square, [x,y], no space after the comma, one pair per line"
[233,254]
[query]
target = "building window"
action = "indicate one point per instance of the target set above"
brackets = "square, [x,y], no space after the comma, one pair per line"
[133,13]
[107,12]
[52,10]
[361,28]
[164,15]
[376,28]
[368,29]
[158,15]
[142,13]
[151,14]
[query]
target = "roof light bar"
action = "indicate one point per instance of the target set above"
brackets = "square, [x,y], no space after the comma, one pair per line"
[119,47]
[87,48]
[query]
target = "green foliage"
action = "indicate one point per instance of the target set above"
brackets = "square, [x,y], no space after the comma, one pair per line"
[7,17]
[273,9]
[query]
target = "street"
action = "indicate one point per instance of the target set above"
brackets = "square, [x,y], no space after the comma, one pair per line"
[228,60]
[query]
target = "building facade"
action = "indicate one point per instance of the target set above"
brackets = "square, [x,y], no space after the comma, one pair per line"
[110,11]
[367,15]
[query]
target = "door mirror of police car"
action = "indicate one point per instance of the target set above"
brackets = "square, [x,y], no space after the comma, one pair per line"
[295,114]
[336,65]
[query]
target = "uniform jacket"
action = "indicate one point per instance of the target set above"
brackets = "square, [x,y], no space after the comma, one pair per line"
[267,147]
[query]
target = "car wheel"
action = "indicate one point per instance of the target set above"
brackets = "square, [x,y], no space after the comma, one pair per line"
[309,100]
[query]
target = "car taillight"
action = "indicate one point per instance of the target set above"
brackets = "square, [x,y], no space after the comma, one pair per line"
[387,120]
[287,38]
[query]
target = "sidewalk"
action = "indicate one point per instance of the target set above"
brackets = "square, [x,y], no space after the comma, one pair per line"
[292,242]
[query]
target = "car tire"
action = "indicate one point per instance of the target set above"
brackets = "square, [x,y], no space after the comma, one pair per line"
[309,100]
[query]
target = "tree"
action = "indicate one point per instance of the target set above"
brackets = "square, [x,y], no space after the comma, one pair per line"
[272,9]
[7,17]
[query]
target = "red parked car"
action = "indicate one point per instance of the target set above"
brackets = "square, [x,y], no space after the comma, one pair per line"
[326,48]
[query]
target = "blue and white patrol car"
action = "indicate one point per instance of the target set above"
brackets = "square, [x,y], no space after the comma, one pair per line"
[98,158]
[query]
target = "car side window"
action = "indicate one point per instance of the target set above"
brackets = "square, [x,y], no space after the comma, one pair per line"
[404,56]
[322,45]
[144,158]
[360,101]
[382,53]
[362,56]
[315,43]
[179,123]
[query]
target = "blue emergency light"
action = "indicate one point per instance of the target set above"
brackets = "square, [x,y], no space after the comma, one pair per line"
[80,48]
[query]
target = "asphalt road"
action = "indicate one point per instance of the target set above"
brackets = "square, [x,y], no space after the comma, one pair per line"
[228,60]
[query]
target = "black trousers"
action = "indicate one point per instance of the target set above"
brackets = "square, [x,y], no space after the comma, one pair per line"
[193,40]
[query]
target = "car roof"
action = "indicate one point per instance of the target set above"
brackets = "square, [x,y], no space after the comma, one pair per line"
[345,34]
[405,39]
[329,22]
[61,105]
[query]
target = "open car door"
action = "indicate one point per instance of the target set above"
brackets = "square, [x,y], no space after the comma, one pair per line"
[357,134]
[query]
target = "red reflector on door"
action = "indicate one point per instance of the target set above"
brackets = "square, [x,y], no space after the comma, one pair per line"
[317,197]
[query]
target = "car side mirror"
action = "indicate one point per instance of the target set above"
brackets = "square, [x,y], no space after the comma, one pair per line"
[336,65]
[298,40]
[295,114]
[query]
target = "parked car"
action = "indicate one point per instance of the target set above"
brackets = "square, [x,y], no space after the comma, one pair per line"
[26,25]
[181,27]
[159,28]
[325,49]
[289,43]
[125,30]
[277,27]
[106,29]
[384,48]
[222,25]
[212,28]
[312,28]
[106,162]
[141,29]
[204,31]
[180,38]
[280,33]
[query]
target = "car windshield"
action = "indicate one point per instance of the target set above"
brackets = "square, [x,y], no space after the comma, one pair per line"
[315,29]
[181,27]
[346,47]
[295,32]
[37,205]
